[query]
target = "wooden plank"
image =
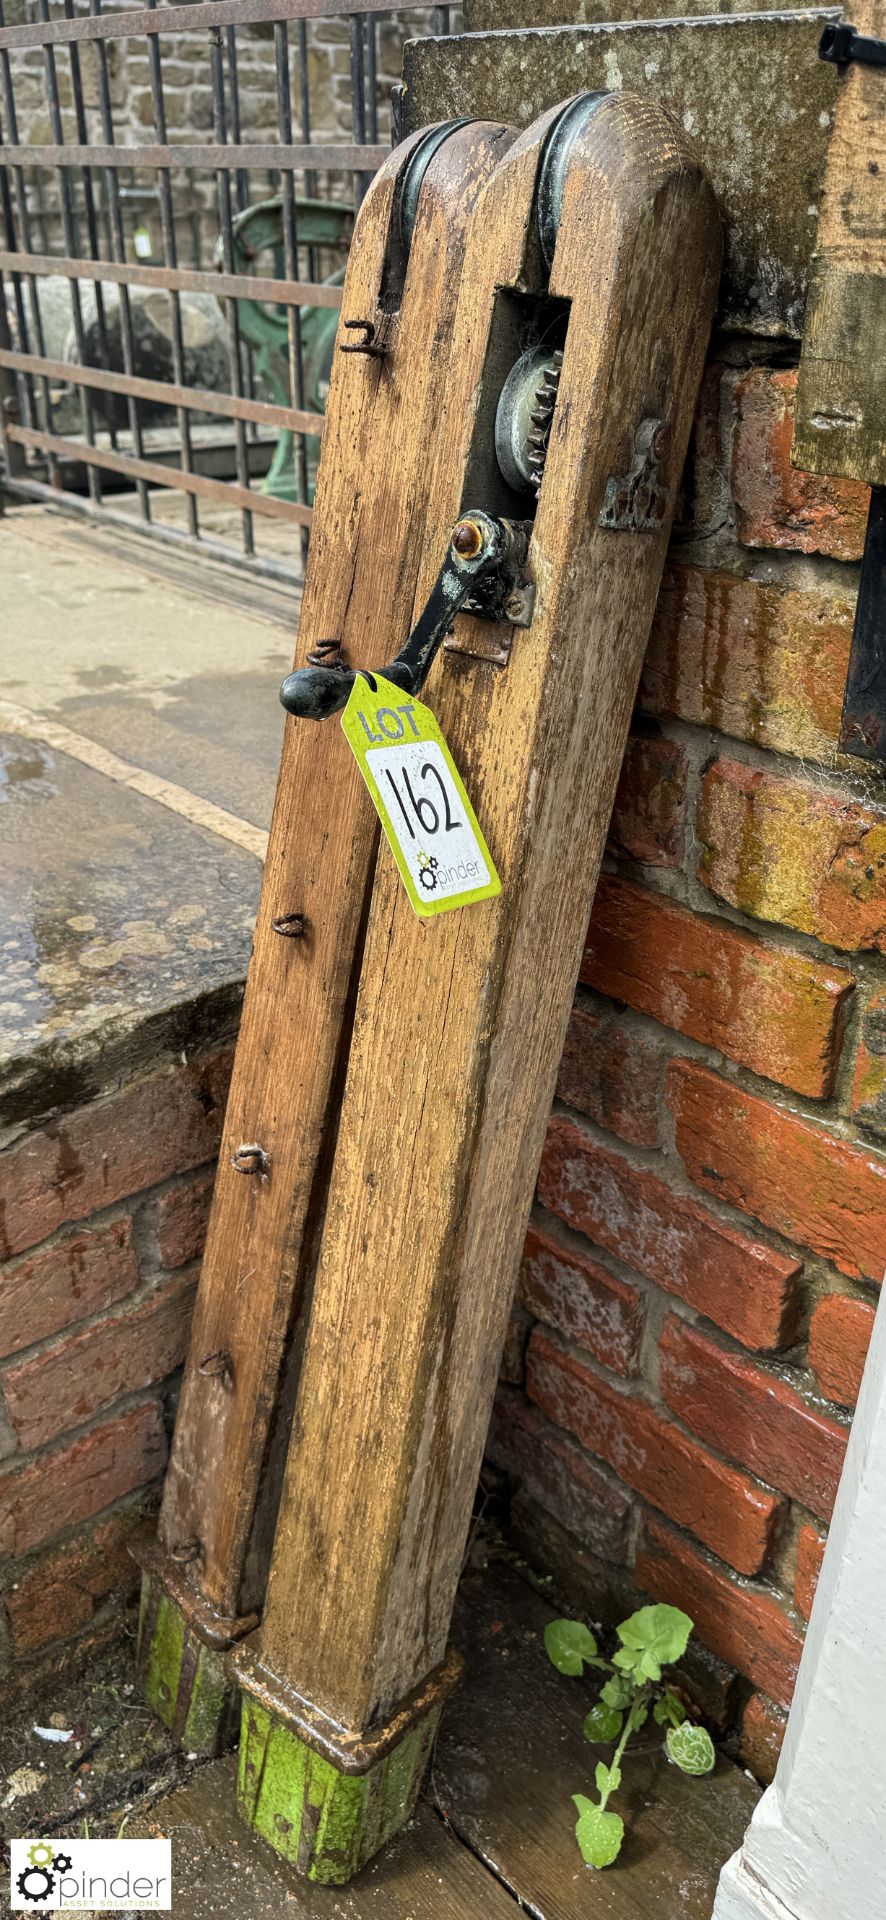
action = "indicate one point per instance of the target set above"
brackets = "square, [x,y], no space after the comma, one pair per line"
[460,1022]
[511,1753]
[221,1486]
[221,1871]
[840,425]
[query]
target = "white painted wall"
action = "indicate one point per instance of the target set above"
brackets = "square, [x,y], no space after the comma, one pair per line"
[816,1846]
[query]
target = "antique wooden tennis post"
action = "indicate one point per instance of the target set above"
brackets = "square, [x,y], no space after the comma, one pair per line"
[204,1574]
[598,237]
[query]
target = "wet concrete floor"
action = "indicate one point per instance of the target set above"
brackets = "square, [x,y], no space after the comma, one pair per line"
[139,740]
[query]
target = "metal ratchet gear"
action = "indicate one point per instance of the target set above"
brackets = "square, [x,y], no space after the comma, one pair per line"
[524,415]
[542,415]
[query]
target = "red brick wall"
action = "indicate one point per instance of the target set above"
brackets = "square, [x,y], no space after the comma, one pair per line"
[102,1216]
[700,1278]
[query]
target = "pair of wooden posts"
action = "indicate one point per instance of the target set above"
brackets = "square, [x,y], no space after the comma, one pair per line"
[394,1074]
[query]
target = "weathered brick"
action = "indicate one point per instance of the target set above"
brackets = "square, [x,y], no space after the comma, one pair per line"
[763,1730]
[62,1591]
[513,1359]
[581,1299]
[810,1553]
[839,1336]
[649,815]
[704,492]
[79,1479]
[760,662]
[722,1507]
[614,1075]
[745,1287]
[775,505]
[75,1277]
[868,1096]
[558,1475]
[783,850]
[752,1415]
[79,1376]
[182,1218]
[743,1624]
[109,1150]
[773,1011]
[792,1173]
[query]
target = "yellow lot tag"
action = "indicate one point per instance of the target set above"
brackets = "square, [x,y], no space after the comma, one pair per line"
[419,797]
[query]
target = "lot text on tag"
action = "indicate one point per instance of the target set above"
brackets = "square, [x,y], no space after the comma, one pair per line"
[419,797]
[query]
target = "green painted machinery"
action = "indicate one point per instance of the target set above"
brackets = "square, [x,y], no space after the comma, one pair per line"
[322,225]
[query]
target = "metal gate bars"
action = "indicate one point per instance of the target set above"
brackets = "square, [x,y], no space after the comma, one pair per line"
[103,362]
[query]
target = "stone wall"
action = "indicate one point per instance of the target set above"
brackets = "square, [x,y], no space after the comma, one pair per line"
[189,111]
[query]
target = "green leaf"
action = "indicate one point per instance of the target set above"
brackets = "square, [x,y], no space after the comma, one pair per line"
[660,1633]
[599,1834]
[569,1644]
[690,1748]
[627,1659]
[669,1711]
[603,1723]
[607,1779]
[639,1714]
[617,1691]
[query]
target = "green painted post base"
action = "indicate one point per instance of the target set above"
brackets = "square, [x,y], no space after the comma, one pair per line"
[182,1678]
[325,1821]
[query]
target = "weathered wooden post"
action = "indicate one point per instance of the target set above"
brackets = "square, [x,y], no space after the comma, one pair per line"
[596,242]
[840,425]
[204,1574]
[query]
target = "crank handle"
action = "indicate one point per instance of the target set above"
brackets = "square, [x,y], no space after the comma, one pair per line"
[479,546]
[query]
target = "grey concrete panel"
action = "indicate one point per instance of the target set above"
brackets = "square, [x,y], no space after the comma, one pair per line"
[748,88]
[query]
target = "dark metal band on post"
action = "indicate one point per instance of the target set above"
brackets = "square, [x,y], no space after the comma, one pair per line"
[842,44]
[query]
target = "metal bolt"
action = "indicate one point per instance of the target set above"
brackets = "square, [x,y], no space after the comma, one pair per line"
[328,653]
[293,926]
[642,502]
[186,1552]
[661,441]
[218,1366]
[520,605]
[467,539]
[368,344]
[251,1158]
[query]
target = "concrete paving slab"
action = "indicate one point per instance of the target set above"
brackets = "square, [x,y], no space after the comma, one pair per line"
[123,912]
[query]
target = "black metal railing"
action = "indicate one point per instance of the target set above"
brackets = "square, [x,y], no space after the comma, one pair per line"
[167,395]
